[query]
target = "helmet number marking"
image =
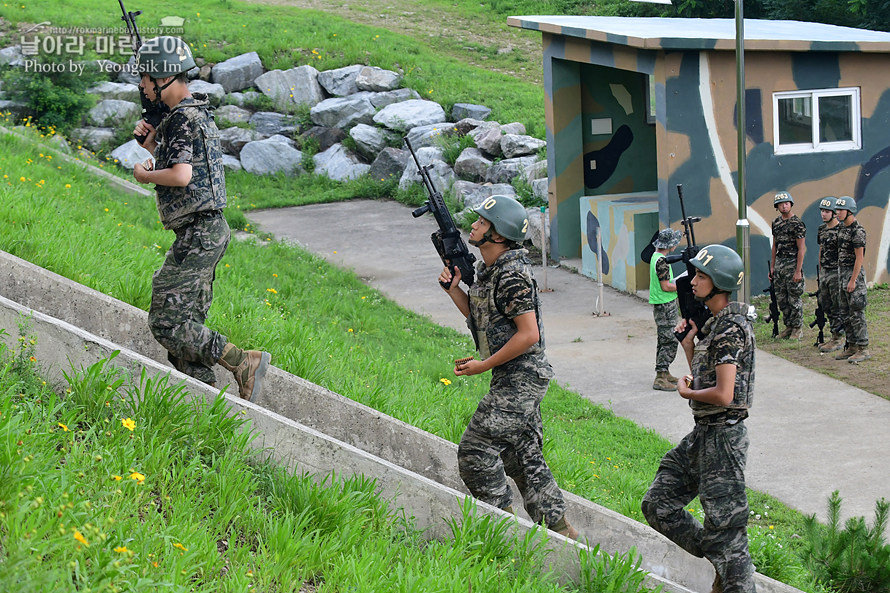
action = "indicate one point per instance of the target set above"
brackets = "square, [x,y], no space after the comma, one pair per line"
[704,257]
[741,275]
[489,203]
[525,225]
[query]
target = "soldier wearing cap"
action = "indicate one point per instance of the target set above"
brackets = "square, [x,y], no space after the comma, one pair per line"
[710,461]
[786,265]
[663,297]
[829,285]
[188,175]
[851,278]
[505,435]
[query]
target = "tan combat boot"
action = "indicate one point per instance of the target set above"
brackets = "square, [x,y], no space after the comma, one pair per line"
[562,527]
[662,383]
[833,345]
[784,334]
[849,351]
[796,333]
[861,355]
[672,378]
[248,366]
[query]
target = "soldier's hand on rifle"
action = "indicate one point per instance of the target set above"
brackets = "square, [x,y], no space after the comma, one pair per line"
[450,275]
[688,342]
[145,128]
[770,274]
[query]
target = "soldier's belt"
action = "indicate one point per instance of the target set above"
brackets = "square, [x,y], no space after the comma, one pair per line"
[722,419]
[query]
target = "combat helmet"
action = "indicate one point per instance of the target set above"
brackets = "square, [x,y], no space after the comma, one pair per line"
[164,56]
[782,196]
[507,217]
[828,203]
[845,203]
[722,265]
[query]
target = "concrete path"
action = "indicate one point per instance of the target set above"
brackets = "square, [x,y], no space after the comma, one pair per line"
[810,434]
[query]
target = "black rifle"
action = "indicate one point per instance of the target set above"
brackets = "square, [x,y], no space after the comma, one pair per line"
[689,307]
[773,304]
[820,312]
[152,113]
[446,239]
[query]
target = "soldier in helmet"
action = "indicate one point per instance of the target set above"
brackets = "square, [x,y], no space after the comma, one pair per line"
[786,265]
[829,287]
[188,175]
[663,297]
[851,278]
[710,461]
[505,435]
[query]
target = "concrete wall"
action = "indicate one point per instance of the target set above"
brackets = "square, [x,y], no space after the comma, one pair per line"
[298,403]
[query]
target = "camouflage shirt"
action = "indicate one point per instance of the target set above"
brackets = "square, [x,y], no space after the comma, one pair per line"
[728,338]
[785,235]
[848,239]
[501,292]
[827,247]
[663,270]
[189,135]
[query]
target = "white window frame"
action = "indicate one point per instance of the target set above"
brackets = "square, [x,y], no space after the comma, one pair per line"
[816,145]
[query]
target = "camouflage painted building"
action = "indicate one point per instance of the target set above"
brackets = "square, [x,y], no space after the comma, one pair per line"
[635,106]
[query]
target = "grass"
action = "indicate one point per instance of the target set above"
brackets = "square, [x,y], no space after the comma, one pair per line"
[323,324]
[119,483]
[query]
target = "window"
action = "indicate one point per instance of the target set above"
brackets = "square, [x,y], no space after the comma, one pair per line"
[816,121]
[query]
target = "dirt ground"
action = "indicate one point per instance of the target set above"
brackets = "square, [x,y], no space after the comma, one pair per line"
[436,23]
[872,375]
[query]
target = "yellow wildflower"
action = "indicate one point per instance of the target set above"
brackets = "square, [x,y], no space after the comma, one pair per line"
[121,549]
[445,381]
[79,537]
[64,428]
[129,423]
[116,478]
[180,546]
[138,477]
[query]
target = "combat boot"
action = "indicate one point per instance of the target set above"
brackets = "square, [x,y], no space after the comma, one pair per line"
[847,352]
[785,333]
[861,354]
[672,378]
[833,345]
[248,366]
[796,333]
[662,383]
[562,527]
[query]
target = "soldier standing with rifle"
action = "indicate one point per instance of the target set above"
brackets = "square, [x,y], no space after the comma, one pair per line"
[505,436]
[786,265]
[663,297]
[190,182]
[829,285]
[851,277]
[710,461]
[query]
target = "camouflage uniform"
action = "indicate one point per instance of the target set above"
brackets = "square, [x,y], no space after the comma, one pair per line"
[710,461]
[666,316]
[182,289]
[505,435]
[788,292]
[852,304]
[829,288]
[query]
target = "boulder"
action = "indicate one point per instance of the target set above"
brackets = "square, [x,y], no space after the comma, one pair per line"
[514,145]
[267,123]
[237,73]
[231,163]
[467,125]
[429,135]
[389,164]
[371,78]
[233,139]
[488,138]
[93,138]
[215,92]
[12,56]
[514,128]
[441,175]
[116,90]
[326,137]
[369,140]
[343,112]
[534,226]
[340,81]
[127,155]
[297,86]
[381,100]
[114,113]
[541,188]
[475,197]
[231,114]
[504,171]
[410,114]
[469,110]
[268,157]
[472,164]
[241,99]
[339,164]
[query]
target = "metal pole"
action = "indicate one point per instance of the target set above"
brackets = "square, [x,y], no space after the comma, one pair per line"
[743,229]
[544,250]
[599,270]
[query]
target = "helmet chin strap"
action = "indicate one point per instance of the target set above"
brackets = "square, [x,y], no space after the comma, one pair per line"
[708,296]
[158,89]
[486,238]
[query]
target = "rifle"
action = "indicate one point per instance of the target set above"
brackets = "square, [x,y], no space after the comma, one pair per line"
[446,239]
[819,312]
[152,113]
[689,307]
[773,305]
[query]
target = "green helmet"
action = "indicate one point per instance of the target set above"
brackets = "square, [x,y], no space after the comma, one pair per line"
[164,56]
[828,203]
[845,203]
[722,265]
[506,215]
[782,196]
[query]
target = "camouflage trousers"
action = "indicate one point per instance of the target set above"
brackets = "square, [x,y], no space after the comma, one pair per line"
[830,300]
[181,293]
[499,443]
[709,462]
[853,306]
[788,292]
[666,315]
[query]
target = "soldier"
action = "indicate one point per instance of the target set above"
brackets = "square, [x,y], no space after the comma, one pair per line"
[663,297]
[851,278]
[786,265]
[710,461]
[505,435]
[189,179]
[829,287]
